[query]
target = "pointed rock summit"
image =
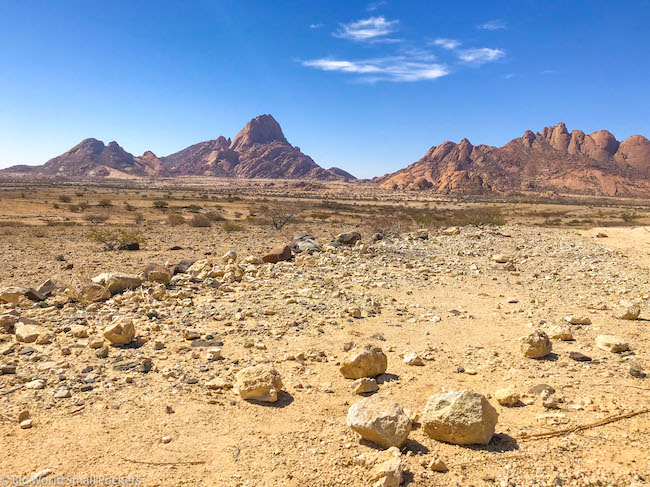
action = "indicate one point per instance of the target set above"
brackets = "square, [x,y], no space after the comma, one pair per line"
[259,150]
[261,130]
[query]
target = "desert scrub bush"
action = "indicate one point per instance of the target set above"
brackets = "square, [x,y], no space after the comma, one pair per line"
[128,206]
[65,198]
[138,219]
[96,218]
[232,227]
[279,213]
[117,238]
[629,217]
[213,216]
[104,203]
[160,204]
[479,216]
[200,221]
[175,219]
[84,205]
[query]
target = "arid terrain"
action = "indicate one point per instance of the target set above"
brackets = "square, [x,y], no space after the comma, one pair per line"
[448,284]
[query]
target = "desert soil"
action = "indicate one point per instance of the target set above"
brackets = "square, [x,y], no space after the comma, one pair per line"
[443,297]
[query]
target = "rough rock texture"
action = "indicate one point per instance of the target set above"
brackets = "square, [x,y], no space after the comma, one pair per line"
[259,150]
[553,160]
[380,420]
[116,282]
[611,343]
[121,331]
[536,345]
[278,254]
[459,417]
[259,383]
[93,158]
[367,362]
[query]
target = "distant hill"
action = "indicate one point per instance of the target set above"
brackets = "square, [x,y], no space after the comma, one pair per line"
[553,160]
[259,150]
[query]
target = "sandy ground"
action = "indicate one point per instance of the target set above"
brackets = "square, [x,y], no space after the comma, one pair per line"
[115,429]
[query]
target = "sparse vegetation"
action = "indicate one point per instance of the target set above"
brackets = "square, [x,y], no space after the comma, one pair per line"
[96,218]
[175,219]
[229,226]
[116,238]
[200,221]
[104,203]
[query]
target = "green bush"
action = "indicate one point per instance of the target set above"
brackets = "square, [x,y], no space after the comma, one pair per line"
[115,238]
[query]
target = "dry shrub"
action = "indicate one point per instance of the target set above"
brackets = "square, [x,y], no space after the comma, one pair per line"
[96,218]
[232,227]
[115,238]
[200,221]
[279,213]
[175,219]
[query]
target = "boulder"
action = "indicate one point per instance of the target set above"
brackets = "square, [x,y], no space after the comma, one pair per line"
[459,417]
[507,396]
[121,331]
[259,383]
[387,473]
[28,333]
[229,257]
[561,332]
[278,254]
[364,385]
[156,273]
[611,343]
[500,258]
[536,345]
[348,238]
[91,292]
[182,267]
[117,282]
[7,321]
[369,361]
[627,311]
[380,420]
[578,320]
[12,295]
[50,287]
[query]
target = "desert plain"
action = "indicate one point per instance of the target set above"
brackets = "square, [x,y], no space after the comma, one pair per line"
[445,286]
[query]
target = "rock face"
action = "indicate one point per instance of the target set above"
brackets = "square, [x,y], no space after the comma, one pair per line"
[459,417]
[553,160]
[380,420]
[259,383]
[259,150]
[366,362]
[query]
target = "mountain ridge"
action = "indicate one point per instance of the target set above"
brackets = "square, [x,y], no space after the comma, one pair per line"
[550,160]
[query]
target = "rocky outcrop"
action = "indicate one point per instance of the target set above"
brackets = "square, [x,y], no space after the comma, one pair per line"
[550,160]
[260,150]
[92,158]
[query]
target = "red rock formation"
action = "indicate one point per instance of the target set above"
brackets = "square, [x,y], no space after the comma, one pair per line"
[552,160]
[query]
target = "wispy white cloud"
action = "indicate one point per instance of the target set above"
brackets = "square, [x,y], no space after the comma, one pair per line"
[370,29]
[508,75]
[480,55]
[493,25]
[315,26]
[389,68]
[549,71]
[447,43]
[372,6]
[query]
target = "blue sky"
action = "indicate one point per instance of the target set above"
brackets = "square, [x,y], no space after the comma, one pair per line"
[366,86]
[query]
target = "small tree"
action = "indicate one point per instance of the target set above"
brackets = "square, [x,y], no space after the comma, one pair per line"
[280,213]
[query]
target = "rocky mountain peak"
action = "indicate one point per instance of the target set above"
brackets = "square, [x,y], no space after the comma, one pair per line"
[261,130]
